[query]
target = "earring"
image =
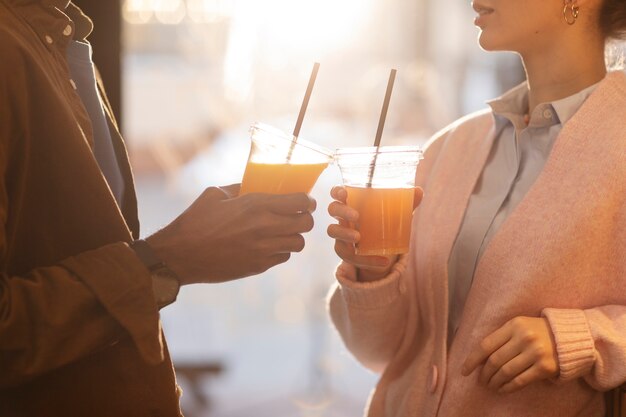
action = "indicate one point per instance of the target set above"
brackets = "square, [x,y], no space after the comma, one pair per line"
[574,11]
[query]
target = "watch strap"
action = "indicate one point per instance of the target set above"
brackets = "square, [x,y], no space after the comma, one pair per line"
[165,283]
[147,256]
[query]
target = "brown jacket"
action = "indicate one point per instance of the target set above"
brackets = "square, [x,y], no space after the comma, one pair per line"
[79,328]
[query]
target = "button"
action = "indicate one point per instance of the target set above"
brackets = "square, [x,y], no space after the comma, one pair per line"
[73,84]
[68,30]
[547,114]
[48,39]
[434,374]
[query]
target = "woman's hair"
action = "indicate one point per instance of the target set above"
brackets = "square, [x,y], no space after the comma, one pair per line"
[613,19]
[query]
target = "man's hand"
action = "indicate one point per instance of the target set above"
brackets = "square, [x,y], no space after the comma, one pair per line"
[222,237]
[521,352]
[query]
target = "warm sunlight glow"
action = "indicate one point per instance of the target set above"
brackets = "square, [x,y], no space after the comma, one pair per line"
[301,31]
[263,33]
[312,25]
[138,11]
[208,11]
[169,12]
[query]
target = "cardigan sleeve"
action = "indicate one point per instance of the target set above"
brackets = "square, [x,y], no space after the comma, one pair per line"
[591,344]
[370,316]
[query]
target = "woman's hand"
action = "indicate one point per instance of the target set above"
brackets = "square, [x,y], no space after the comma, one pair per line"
[370,268]
[521,352]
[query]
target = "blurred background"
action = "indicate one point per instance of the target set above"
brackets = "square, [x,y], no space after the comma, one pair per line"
[187,79]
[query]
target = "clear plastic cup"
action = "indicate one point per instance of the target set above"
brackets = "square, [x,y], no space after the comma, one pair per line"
[384,202]
[275,167]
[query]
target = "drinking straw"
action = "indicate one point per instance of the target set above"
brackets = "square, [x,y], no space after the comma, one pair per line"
[381,124]
[305,103]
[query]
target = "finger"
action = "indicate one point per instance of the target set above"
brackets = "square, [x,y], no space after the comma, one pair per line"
[345,234]
[342,211]
[213,193]
[231,190]
[339,193]
[290,203]
[294,224]
[269,225]
[417,198]
[276,260]
[511,370]
[488,346]
[284,244]
[346,252]
[497,359]
[529,376]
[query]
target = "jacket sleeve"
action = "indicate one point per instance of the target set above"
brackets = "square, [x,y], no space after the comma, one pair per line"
[52,316]
[55,315]
[371,317]
[591,344]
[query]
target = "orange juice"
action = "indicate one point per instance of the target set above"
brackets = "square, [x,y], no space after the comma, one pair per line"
[384,219]
[280,178]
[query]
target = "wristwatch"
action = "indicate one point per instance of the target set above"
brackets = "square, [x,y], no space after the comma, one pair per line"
[165,283]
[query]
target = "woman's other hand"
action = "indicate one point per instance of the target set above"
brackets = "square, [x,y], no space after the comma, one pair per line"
[519,353]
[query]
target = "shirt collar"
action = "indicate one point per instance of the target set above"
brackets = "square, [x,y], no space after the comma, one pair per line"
[56,22]
[567,107]
[512,106]
[60,4]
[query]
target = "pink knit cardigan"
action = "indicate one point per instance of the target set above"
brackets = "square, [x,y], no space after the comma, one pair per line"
[561,254]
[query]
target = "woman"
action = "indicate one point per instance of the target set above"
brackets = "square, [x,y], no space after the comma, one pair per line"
[512,300]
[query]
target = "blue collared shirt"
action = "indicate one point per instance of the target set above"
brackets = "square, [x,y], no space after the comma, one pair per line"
[83,74]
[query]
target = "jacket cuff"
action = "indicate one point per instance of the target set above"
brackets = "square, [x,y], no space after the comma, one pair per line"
[373,294]
[123,286]
[574,343]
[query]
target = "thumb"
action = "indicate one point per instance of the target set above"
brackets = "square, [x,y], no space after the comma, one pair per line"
[417,198]
[215,193]
[231,190]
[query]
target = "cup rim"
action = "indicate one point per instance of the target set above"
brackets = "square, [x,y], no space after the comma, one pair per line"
[264,127]
[371,150]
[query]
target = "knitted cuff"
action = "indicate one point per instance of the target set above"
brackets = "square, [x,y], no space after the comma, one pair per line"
[371,294]
[574,343]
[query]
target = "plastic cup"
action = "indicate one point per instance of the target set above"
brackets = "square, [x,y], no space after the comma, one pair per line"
[385,204]
[274,167]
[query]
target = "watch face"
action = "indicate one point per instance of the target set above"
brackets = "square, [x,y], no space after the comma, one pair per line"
[165,285]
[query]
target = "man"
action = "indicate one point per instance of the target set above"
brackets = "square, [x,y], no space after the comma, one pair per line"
[79,293]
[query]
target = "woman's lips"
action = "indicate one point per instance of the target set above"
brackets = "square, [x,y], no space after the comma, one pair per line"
[483,11]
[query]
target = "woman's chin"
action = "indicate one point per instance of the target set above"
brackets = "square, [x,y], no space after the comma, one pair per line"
[484,41]
[489,44]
